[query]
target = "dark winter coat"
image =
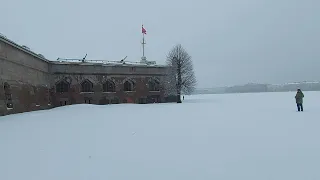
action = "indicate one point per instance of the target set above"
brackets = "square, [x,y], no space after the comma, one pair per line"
[299,97]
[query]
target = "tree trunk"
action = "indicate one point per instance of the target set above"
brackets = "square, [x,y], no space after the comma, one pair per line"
[179,82]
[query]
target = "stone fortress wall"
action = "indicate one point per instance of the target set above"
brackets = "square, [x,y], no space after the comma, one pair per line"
[30,82]
[24,79]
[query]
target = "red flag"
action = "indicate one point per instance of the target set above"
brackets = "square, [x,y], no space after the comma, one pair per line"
[144,31]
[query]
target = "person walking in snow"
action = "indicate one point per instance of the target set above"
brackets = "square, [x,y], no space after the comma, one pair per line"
[299,99]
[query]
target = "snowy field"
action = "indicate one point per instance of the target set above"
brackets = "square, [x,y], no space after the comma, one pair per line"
[208,137]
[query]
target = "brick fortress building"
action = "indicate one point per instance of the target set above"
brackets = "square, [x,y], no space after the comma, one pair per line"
[31,82]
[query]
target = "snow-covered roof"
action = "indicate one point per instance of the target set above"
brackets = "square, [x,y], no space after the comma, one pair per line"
[106,63]
[21,47]
[26,49]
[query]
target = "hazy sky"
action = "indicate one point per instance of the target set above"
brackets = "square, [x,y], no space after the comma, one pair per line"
[231,41]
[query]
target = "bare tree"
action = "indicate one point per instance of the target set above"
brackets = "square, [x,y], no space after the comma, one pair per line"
[181,77]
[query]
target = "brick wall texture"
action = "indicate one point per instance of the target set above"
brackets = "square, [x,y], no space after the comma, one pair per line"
[29,82]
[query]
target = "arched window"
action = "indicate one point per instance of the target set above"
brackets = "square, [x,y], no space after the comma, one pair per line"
[6,87]
[128,85]
[7,90]
[62,87]
[86,86]
[109,86]
[8,95]
[154,85]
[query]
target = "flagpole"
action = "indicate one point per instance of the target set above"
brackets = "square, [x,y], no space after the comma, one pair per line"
[143,58]
[143,44]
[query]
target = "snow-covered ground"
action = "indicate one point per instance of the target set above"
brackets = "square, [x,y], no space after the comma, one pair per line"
[225,137]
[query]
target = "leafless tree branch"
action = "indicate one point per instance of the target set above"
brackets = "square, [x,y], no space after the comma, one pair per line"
[181,77]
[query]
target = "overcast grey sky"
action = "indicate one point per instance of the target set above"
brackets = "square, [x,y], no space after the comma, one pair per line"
[231,41]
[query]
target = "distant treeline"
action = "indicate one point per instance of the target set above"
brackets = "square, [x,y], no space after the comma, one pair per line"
[254,87]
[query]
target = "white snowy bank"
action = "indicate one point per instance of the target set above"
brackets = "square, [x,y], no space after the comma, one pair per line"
[225,137]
